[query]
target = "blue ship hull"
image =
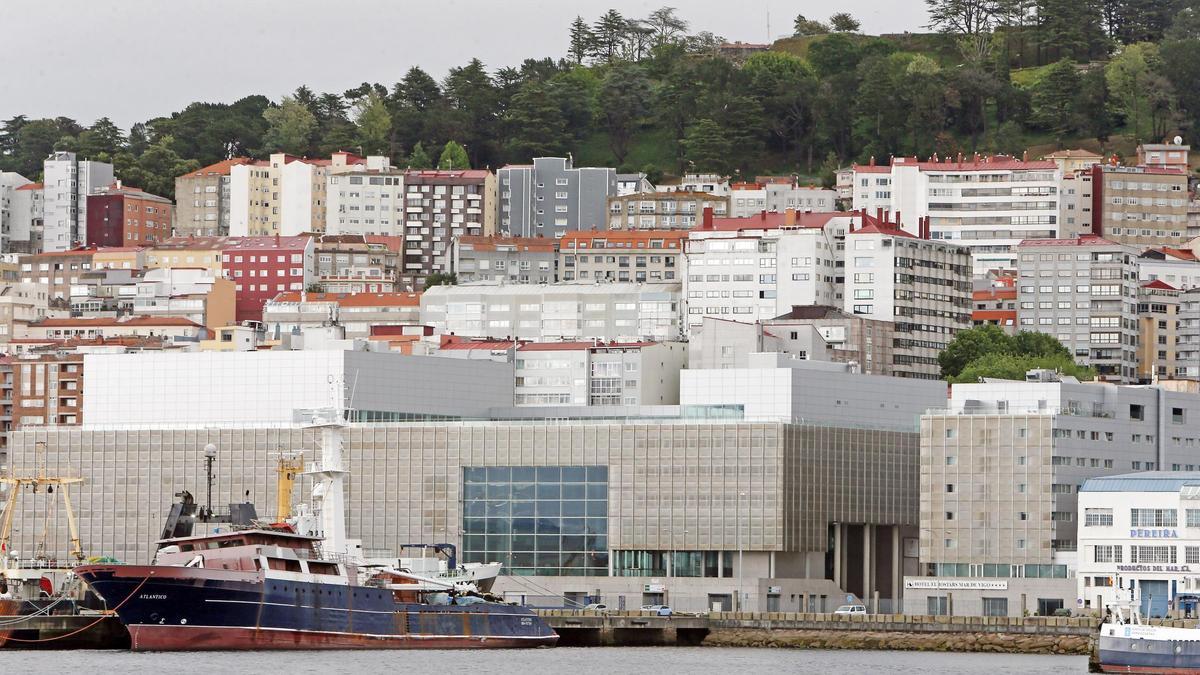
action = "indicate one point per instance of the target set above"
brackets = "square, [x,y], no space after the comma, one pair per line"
[1139,655]
[178,608]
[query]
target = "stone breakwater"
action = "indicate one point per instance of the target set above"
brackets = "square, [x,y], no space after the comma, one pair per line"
[1006,643]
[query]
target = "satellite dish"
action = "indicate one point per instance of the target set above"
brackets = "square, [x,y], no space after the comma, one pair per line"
[1178,140]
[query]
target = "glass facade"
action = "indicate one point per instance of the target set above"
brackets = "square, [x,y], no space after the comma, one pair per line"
[682,563]
[543,520]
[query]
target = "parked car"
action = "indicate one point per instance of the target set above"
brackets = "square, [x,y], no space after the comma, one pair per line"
[850,610]
[661,610]
[596,607]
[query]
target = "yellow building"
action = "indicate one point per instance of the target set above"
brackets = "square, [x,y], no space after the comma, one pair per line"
[195,252]
[119,258]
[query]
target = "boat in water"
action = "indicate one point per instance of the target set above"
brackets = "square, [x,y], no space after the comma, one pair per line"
[1126,645]
[302,584]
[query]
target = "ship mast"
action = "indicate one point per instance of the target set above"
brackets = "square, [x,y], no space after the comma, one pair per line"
[329,474]
[34,483]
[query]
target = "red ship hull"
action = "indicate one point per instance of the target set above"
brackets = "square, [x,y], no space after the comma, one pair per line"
[201,638]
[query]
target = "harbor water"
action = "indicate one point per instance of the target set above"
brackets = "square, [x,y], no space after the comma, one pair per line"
[655,660]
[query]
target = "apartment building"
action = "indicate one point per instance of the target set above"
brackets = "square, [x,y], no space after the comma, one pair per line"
[67,182]
[357,313]
[1001,471]
[260,267]
[989,204]
[439,206]
[711,183]
[621,312]
[514,260]
[194,294]
[921,286]
[748,269]
[286,195]
[47,389]
[552,197]
[1176,266]
[25,231]
[598,373]
[1140,206]
[10,184]
[58,271]
[629,255]
[1187,346]
[120,215]
[1164,156]
[662,210]
[1071,161]
[633,183]
[351,263]
[1083,291]
[366,200]
[1158,331]
[170,328]
[747,199]
[1076,204]
[996,306]
[21,303]
[202,199]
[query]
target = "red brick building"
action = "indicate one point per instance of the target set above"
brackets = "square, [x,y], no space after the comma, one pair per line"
[119,215]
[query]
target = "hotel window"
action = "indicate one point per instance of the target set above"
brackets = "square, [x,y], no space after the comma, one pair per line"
[537,520]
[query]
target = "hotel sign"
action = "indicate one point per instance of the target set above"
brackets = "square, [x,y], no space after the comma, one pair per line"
[1154,568]
[956,585]
[1154,534]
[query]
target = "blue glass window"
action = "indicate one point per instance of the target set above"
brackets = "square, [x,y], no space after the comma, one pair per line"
[545,520]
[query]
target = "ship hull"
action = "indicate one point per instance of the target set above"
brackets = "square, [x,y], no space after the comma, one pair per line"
[1139,655]
[177,608]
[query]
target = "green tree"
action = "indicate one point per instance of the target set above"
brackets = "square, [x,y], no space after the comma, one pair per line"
[1128,76]
[1015,366]
[609,33]
[969,345]
[1054,98]
[1093,104]
[290,127]
[103,137]
[829,169]
[803,26]
[537,125]
[583,42]
[158,166]
[666,27]
[374,125]
[625,92]
[454,156]
[706,146]
[1181,66]
[843,22]
[419,159]
[1033,343]
[1071,28]
[441,279]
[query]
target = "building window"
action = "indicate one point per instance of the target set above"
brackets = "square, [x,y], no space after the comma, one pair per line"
[995,606]
[1162,555]
[1097,517]
[1107,554]
[1153,517]
[1178,416]
[537,520]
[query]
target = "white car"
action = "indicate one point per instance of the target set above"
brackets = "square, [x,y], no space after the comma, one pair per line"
[596,607]
[661,610]
[850,610]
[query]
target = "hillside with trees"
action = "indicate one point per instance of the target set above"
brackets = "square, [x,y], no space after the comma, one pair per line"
[648,93]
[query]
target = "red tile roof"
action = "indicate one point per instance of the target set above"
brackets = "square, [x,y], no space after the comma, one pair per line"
[671,238]
[468,345]
[1159,284]
[489,243]
[995,294]
[994,315]
[219,169]
[233,243]
[32,186]
[1181,253]
[355,299]
[110,321]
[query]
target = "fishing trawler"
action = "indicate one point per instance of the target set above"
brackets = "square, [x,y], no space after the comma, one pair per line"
[302,585]
[1127,645]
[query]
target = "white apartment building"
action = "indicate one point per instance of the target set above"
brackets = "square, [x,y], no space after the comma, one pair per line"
[1175,266]
[24,231]
[1139,540]
[714,184]
[747,199]
[286,195]
[987,204]
[10,187]
[67,182]
[366,200]
[746,269]
[620,312]
[598,373]
[1083,291]
[922,286]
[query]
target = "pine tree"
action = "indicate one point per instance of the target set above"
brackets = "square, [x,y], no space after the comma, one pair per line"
[454,156]
[583,41]
[419,159]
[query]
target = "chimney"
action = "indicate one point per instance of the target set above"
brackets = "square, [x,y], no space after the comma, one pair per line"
[762,215]
[706,219]
[898,221]
[878,214]
[1025,156]
[789,217]
[872,163]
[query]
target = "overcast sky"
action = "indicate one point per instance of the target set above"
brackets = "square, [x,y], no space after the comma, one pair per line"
[132,60]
